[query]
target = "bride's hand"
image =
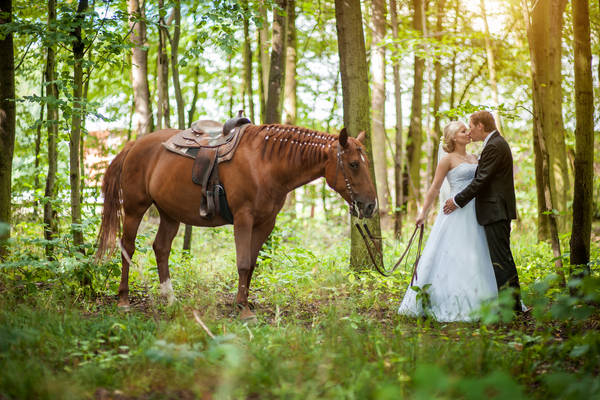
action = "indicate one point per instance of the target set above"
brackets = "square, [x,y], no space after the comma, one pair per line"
[421,219]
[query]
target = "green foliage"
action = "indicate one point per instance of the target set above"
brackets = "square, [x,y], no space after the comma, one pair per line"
[322,331]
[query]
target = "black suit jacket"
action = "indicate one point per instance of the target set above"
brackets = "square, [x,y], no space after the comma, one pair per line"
[493,186]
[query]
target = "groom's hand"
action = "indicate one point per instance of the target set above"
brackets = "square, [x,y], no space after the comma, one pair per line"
[449,206]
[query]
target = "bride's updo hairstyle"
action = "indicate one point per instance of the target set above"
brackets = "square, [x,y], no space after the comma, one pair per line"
[449,134]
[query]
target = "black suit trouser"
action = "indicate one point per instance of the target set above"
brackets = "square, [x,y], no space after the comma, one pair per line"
[498,239]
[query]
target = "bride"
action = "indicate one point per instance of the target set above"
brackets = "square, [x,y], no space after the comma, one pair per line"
[454,275]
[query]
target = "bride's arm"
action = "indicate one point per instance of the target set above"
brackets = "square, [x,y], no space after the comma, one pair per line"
[434,190]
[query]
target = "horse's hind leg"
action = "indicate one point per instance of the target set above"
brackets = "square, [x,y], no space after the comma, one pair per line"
[162,248]
[131,222]
[259,236]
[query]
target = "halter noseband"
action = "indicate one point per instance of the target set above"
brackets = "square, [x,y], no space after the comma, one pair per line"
[353,206]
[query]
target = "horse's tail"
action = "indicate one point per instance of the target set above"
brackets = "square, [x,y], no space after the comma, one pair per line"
[112,211]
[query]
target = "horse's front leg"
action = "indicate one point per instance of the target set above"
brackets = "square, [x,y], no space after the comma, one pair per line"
[242,229]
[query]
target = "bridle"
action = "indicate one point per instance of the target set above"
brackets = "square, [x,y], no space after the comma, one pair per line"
[373,243]
[340,166]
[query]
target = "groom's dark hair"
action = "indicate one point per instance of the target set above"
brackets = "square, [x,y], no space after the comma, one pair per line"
[486,118]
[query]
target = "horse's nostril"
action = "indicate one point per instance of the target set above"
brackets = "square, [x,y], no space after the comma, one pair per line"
[369,209]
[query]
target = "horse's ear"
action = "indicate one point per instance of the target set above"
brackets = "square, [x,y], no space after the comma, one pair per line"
[362,136]
[343,137]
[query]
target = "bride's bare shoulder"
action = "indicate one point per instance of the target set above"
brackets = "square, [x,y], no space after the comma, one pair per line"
[446,159]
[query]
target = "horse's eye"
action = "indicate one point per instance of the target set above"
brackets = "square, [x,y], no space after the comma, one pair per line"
[354,165]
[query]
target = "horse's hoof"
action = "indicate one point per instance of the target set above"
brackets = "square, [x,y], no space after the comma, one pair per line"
[246,315]
[166,292]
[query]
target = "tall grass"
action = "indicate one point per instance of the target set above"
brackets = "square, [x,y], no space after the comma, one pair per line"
[321,332]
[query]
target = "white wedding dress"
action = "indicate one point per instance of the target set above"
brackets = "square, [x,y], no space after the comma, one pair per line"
[455,262]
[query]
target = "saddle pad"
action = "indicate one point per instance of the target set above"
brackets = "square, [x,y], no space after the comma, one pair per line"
[182,143]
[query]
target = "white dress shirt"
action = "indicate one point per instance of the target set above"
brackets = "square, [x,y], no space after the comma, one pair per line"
[485,141]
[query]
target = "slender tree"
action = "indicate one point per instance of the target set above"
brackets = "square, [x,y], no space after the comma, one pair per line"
[378,106]
[50,193]
[545,48]
[491,63]
[263,59]
[38,147]
[247,57]
[187,236]
[454,55]
[7,123]
[538,115]
[437,89]
[584,137]
[355,94]
[277,64]
[229,85]
[290,92]
[290,96]
[399,148]
[175,64]
[142,117]
[162,70]
[415,133]
[74,142]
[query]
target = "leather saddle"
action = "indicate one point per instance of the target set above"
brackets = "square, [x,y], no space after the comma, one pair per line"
[209,143]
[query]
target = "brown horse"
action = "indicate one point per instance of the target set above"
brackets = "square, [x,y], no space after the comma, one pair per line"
[270,161]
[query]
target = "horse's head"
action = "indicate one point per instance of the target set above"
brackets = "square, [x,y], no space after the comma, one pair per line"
[347,172]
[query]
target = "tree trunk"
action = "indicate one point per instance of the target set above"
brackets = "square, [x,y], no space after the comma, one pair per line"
[38,147]
[187,236]
[162,72]
[139,68]
[277,67]
[355,94]
[378,107]
[74,171]
[454,54]
[415,134]
[50,193]
[491,65]
[86,87]
[175,64]
[263,60]
[7,123]
[584,138]
[437,90]
[544,156]
[545,48]
[399,148]
[192,110]
[290,96]
[229,86]
[247,55]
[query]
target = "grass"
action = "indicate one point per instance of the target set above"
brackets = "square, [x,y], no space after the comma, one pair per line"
[321,332]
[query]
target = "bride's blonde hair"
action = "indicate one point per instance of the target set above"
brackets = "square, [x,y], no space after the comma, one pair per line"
[449,134]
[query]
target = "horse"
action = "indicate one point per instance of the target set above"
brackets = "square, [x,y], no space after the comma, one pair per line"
[270,161]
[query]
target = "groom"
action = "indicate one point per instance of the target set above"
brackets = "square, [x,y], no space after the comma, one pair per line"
[494,191]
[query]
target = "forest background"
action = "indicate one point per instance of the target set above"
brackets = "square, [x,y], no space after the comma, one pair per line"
[79,79]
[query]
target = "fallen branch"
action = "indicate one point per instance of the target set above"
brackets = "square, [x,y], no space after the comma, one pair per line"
[199,321]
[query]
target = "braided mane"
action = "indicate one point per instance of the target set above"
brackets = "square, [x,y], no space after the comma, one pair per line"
[299,145]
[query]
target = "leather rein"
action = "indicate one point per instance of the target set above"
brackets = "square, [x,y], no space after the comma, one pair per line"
[373,243]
